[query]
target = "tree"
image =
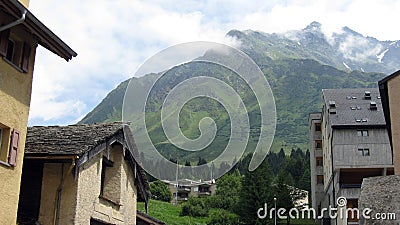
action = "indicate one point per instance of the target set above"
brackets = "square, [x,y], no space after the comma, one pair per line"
[256,191]
[283,195]
[228,191]
[160,191]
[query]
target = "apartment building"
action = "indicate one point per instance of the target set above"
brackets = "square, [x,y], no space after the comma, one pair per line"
[184,188]
[352,139]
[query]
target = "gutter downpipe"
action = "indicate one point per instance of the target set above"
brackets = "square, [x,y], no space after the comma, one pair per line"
[15,23]
[57,205]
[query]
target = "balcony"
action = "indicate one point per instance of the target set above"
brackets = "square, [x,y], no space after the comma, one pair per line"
[204,193]
[183,189]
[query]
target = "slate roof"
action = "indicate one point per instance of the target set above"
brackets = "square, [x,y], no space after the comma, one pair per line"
[147,218]
[352,108]
[82,140]
[69,140]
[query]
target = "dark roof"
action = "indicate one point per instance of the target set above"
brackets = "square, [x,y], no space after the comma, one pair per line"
[146,218]
[44,35]
[85,141]
[352,108]
[69,140]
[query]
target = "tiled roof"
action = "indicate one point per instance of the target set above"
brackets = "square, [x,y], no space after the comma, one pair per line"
[70,140]
[353,108]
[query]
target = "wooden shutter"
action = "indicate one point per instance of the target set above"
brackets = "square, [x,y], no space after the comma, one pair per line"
[25,57]
[12,157]
[4,42]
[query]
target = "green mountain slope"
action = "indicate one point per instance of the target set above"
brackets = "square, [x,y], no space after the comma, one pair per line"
[296,84]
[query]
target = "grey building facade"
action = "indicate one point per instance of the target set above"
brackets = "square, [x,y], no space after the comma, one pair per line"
[354,145]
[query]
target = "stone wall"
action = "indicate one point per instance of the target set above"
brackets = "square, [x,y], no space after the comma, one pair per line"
[381,195]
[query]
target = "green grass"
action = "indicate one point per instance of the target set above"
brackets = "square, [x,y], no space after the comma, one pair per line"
[169,214]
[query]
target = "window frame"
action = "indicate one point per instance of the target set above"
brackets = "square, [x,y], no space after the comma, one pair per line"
[318,125]
[319,159]
[318,142]
[362,133]
[364,152]
[320,179]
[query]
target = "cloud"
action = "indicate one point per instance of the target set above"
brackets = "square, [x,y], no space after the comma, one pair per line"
[113,38]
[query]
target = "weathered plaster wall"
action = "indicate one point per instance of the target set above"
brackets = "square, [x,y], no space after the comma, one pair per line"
[52,174]
[89,202]
[15,95]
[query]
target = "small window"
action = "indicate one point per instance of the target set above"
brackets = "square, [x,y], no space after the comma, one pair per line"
[363,152]
[318,144]
[318,127]
[10,50]
[320,179]
[4,143]
[319,161]
[362,133]
[14,50]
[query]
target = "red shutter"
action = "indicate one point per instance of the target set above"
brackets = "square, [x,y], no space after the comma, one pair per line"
[4,41]
[25,57]
[12,157]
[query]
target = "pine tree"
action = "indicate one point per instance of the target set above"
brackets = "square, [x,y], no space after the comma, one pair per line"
[256,191]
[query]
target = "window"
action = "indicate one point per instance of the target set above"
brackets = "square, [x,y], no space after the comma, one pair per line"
[320,179]
[105,163]
[318,127]
[9,145]
[362,133]
[319,161]
[14,50]
[363,151]
[110,189]
[318,144]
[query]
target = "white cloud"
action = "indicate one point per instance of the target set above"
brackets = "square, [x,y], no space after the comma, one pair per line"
[113,38]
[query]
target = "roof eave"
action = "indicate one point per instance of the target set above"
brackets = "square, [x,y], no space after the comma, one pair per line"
[45,36]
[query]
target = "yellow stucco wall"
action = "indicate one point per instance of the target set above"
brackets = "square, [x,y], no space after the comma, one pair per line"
[25,3]
[394,107]
[15,94]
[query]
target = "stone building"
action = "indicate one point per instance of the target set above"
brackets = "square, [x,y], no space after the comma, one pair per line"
[81,174]
[353,144]
[20,33]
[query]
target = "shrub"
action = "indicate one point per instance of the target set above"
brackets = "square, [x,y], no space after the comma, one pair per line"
[160,191]
[195,207]
[223,217]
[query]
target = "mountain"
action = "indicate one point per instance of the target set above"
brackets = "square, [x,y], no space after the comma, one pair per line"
[345,49]
[297,64]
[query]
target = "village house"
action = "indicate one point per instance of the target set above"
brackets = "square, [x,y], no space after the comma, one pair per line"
[20,33]
[349,142]
[81,174]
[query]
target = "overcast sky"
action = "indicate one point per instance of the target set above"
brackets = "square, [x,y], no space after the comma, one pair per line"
[114,37]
